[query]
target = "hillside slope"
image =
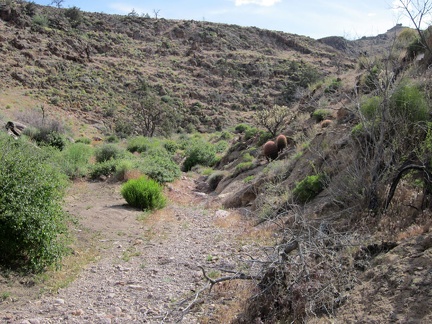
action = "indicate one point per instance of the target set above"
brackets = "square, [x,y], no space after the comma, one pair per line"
[339,246]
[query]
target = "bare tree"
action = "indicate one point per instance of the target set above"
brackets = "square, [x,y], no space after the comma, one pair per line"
[417,11]
[57,3]
[156,13]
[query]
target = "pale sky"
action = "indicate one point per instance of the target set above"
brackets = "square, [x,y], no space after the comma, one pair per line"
[314,18]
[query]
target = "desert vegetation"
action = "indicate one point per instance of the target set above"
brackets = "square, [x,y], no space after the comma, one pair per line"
[327,149]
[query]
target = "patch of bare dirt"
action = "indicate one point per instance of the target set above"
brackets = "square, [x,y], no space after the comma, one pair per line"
[146,269]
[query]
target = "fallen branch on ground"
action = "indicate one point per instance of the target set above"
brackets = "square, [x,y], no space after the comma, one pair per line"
[235,276]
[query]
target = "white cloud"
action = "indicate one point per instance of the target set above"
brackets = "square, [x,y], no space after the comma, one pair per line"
[264,3]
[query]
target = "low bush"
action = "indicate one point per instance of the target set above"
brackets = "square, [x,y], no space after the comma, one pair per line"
[84,140]
[138,144]
[308,188]
[370,107]
[107,152]
[409,102]
[106,168]
[32,223]
[321,114]
[199,152]
[74,160]
[158,165]
[214,179]
[241,128]
[143,193]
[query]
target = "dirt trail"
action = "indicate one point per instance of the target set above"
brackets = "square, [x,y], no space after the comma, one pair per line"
[147,268]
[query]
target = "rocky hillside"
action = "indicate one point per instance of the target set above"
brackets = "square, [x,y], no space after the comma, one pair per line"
[88,65]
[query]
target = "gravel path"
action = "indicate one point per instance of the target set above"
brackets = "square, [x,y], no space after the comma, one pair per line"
[147,268]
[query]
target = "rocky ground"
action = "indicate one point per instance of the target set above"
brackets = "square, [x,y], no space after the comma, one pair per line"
[146,269]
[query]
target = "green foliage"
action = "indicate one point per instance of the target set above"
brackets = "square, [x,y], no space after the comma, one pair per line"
[199,152]
[334,85]
[409,102]
[105,168]
[74,160]
[251,132]
[158,165]
[243,166]
[32,223]
[321,114]
[241,128]
[221,146]
[139,144]
[370,107]
[40,20]
[308,188]
[74,15]
[171,146]
[47,136]
[112,139]
[226,135]
[84,140]
[357,130]
[107,152]
[143,193]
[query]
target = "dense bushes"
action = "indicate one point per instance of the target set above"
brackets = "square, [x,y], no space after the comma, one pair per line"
[32,223]
[200,152]
[74,160]
[143,193]
[107,152]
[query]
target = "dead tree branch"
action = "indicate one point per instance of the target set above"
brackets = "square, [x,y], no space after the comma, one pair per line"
[237,275]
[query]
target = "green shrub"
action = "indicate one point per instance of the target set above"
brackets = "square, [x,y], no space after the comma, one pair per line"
[32,223]
[357,130]
[251,132]
[112,139]
[105,168]
[158,165]
[143,193]
[84,140]
[74,16]
[308,188]
[221,146]
[244,166]
[226,135]
[171,146]
[321,114]
[264,137]
[138,144]
[47,136]
[334,85]
[370,107]
[409,102]
[40,20]
[199,152]
[214,179]
[107,152]
[122,167]
[75,160]
[241,128]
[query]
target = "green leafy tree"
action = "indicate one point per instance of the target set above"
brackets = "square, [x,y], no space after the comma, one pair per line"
[152,115]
